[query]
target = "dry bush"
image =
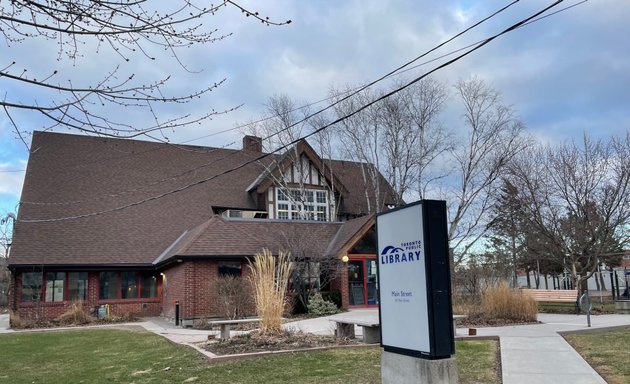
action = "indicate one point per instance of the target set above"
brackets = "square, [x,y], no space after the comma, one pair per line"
[15,321]
[234,297]
[502,302]
[270,278]
[76,314]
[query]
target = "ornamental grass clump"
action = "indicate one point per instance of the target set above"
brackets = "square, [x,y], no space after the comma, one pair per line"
[76,315]
[270,278]
[502,302]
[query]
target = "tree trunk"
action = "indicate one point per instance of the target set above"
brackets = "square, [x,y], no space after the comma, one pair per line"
[529,281]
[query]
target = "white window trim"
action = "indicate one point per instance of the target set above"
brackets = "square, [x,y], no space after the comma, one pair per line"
[297,210]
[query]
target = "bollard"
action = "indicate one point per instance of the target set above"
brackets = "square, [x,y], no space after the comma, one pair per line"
[176,312]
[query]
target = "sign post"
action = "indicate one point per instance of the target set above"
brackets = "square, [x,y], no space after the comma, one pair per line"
[414,277]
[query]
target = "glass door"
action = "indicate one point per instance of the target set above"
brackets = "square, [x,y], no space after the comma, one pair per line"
[356,283]
[371,282]
[362,282]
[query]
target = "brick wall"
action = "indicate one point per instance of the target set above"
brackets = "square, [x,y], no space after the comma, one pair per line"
[49,311]
[194,285]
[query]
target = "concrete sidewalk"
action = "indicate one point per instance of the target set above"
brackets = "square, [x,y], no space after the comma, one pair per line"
[536,353]
[4,323]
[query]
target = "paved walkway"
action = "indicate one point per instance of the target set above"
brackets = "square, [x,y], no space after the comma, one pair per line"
[4,323]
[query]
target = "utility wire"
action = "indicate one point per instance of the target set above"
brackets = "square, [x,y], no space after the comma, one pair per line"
[348,94]
[262,156]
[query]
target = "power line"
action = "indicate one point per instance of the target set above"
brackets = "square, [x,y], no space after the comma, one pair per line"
[262,156]
[399,71]
[348,94]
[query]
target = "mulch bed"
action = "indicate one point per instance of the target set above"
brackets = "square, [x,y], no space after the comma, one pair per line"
[479,321]
[255,342]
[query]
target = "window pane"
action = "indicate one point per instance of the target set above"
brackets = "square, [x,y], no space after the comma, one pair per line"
[309,196]
[148,286]
[321,213]
[108,285]
[55,282]
[77,285]
[129,285]
[282,195]
[321,197]
[31,286]
[230,269]
[295,196]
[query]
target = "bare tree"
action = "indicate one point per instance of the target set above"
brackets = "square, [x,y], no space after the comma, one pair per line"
[6,234]
[491,136]
[360,137]
[130,30]
[577,196]
[413,139]
[285,122]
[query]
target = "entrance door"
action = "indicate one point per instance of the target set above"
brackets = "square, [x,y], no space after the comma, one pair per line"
[362,282]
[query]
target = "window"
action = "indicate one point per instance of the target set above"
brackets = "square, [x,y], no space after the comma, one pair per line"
[58,286]
[31,286]
[108,287]
[127,285]
[230,269]
[77,285]
[302,204]
[283,211]
[148,286]
[55,284]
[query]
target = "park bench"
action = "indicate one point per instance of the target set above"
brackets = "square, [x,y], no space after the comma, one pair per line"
[225,325]
[554,296]
[371,329]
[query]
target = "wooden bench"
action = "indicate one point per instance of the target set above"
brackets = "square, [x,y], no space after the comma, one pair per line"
[554,296]
[371,329]
[226,324]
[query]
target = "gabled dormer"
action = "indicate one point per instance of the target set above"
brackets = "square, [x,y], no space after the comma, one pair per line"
[299,185]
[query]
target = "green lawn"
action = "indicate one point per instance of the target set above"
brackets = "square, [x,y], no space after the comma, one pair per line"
[607,351]
[118,356]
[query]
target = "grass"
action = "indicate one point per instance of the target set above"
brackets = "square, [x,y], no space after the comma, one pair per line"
[606,351]
[569,308]
[119,356]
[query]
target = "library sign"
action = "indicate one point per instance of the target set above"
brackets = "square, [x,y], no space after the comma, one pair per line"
[414,281]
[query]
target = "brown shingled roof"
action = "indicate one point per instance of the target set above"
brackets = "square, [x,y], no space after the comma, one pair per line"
[221,237]
[72,175]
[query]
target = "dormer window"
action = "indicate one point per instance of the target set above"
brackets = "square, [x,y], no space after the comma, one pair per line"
[302,204]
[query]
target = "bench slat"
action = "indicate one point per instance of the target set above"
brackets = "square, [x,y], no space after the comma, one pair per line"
[560,295]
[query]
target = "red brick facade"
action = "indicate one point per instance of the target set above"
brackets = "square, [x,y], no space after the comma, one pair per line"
[190,283]
[52,310]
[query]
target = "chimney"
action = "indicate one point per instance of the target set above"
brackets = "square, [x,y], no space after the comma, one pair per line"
[252,143]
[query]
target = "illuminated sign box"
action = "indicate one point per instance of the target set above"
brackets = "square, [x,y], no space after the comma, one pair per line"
[415,281]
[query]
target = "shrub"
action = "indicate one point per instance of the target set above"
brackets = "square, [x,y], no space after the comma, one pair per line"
[334,296]
[234,297]
[502,302]
[76,314]
[317,306]
[270,278]
[15,321]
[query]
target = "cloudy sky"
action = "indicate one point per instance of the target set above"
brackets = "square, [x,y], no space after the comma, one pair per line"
[565,75]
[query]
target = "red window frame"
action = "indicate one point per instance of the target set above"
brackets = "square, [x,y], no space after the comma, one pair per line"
[119,297]
[43,286]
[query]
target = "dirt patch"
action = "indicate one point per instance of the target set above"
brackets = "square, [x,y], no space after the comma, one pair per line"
[254,342]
